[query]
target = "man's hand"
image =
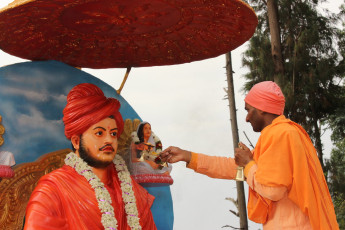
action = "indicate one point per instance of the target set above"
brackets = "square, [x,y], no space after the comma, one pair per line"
[175,154]
[243,155]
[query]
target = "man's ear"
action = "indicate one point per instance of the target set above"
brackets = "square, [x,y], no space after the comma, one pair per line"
[75,140]
[260,111]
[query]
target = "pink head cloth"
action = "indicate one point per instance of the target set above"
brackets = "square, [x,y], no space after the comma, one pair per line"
[266,96]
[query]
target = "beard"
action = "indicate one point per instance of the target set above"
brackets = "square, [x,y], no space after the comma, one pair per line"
[84,154]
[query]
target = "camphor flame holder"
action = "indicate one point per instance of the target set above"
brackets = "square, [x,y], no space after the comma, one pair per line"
[240,173]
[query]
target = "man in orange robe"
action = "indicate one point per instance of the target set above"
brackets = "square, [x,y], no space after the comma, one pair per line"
[64,198]
[287,188]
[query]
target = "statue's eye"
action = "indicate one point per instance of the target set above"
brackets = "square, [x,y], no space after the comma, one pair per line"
[99,133]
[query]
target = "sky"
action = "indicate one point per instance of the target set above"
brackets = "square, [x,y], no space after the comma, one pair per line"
[186,108]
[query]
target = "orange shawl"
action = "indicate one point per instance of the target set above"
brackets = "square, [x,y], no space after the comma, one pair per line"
[286,157]
[64,200]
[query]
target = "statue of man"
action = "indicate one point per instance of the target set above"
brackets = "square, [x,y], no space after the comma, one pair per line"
[93,190]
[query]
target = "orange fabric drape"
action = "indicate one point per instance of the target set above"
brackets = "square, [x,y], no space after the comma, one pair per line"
[64,200]
[286,157]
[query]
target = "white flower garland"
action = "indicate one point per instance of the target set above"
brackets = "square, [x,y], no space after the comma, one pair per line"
[156,139]
[102,195]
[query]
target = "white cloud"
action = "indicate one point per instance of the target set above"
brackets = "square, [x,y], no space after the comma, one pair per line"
[35,122]
[32,95]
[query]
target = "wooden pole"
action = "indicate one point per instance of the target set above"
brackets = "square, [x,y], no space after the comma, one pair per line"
[124,80]
[235,139]
[272,11]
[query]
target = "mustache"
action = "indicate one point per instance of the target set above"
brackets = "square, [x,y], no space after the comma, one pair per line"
[106,146]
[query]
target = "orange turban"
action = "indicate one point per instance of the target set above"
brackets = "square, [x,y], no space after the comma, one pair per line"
[266,96]
[87,105]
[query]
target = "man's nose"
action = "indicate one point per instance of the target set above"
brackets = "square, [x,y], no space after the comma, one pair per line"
[108,138]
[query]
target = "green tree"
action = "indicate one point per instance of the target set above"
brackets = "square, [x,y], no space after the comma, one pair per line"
[336,164]
[336,178]
[310,59]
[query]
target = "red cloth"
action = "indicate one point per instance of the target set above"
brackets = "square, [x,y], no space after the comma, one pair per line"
[6,171]
[266,96]
[64,199]
[87,105]
[153,178]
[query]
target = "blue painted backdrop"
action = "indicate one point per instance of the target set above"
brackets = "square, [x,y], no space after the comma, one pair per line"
[32,97]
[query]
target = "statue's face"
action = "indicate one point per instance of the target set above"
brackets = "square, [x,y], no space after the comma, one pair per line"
[98,144]
[147,131]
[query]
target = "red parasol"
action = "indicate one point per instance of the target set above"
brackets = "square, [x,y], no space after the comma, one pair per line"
[131,33]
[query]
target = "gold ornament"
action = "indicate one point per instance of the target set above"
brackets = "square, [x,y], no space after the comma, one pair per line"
[2,129]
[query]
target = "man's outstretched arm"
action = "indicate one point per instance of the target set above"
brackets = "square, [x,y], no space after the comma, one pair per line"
[212,166]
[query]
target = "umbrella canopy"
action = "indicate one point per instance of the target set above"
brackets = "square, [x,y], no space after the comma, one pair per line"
[131,33]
